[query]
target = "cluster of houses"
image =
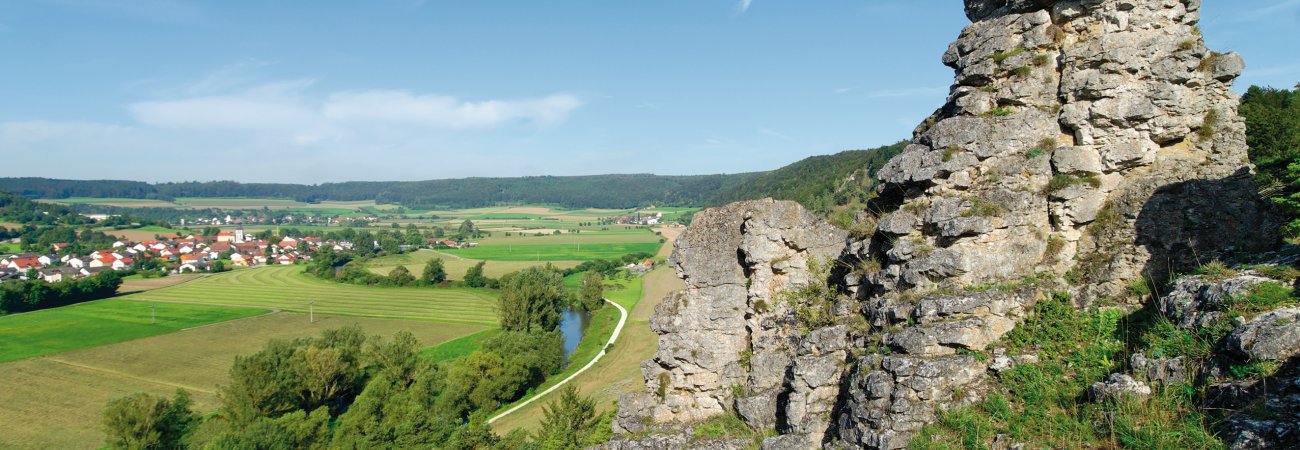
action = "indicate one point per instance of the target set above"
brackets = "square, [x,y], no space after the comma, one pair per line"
[268,218]
[637,219]
[193,253]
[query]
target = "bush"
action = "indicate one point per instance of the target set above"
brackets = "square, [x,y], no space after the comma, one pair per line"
[1061,181]
[1003,55]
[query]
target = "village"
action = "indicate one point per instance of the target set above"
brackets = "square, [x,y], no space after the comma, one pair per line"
[176,254]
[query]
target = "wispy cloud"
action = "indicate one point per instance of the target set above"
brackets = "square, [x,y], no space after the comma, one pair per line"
[908,92]
[446,111]
[775,134]
[744,5]
[843,90]
[284,106]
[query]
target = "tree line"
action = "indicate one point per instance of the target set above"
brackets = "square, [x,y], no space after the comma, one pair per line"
[34,294]
[591,191]
[1273,132]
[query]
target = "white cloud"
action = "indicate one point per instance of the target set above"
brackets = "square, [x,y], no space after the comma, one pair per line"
[744,5]
[286,107]
[445,111]
[267,107]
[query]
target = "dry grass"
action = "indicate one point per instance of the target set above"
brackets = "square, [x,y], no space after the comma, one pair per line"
[135,235]
[658,284]
[55,402]
[670,236]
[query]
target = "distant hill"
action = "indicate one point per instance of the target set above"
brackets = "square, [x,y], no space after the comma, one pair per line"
[818,182]
[593,191]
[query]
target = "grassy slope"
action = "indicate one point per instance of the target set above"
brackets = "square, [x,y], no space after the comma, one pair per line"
[101,322]
[1045,404]
[458,348]
[287,288]
[56,401]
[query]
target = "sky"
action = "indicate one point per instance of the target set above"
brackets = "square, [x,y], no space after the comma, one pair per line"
[336,90]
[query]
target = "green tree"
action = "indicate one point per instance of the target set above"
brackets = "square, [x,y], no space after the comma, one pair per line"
[531,299]
[466,229]
[143,421]
[593,291]
[569,422]
[1273,132]
[400,276]
[435,272]
[474,275]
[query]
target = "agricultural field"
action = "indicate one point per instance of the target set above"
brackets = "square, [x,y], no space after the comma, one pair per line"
[287,288]
[56,401]
[554,252]
[137,283]
[123,202]
[102,322]
[583,246]
[453,264]
[142,233]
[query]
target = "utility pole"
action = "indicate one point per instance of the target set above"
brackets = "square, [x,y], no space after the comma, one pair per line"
[311,312]
[153,312]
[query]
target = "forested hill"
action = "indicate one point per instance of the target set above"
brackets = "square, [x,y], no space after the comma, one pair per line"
[593,191]
[55,188]
[818,182]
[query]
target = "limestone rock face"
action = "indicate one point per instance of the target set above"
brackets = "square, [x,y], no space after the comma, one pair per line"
[730,340]
[1097,137]
[1095,141]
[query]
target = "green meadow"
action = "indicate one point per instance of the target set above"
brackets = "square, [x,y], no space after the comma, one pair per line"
[287,288]
[102,322]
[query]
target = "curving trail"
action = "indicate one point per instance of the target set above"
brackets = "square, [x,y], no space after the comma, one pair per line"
[622,319]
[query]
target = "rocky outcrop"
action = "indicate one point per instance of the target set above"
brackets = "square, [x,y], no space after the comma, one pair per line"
[1198,302]
[1273,336]
[1118,385]
[732,339]
[1094,141]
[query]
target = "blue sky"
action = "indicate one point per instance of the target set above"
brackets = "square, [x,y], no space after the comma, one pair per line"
[175,90]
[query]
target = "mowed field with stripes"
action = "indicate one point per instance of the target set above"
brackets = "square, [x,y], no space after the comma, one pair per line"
[287,288]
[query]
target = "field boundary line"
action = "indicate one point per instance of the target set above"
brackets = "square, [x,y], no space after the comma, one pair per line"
[127,375]
[612,337]
[272,311]
[325,314]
